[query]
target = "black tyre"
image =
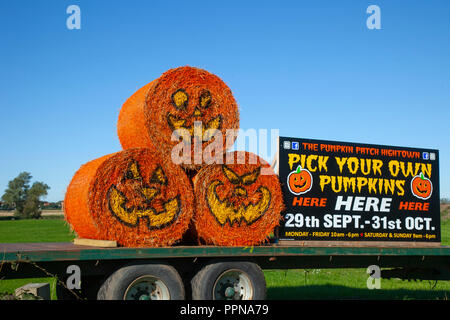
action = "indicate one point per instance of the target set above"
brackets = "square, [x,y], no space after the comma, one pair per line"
[143,282]
[229,281]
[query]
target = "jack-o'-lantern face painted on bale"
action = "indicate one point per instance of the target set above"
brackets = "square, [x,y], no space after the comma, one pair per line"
[236,206]
[186,103]
[184,117]
[236,203]
[138,200]
[134,197]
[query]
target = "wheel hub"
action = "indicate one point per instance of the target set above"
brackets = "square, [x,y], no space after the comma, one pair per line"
[233,285]
[147,288]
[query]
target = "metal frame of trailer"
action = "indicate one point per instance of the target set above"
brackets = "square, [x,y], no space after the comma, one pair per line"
[29,260]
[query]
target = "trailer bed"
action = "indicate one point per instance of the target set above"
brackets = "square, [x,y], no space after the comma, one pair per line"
[66,251]
[31,260]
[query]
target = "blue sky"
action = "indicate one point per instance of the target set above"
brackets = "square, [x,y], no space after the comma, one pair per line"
[311,69]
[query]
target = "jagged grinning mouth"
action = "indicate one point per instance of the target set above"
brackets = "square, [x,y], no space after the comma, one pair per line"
[300,185]
[421,191]
[176,123]
[131,216]
[223,211]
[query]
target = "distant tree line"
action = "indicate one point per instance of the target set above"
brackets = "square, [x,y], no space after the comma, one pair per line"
[51,205]
[23,197]
[44,205]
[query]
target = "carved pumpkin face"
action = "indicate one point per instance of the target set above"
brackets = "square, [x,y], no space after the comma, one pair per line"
[242,199]
[187,104]
[140,200]
[136,197]
[236,204]
[299,181]
[421,187]
[184,115]
[192,102]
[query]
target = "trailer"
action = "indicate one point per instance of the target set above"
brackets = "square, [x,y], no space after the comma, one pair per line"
[393,232]
[203,272]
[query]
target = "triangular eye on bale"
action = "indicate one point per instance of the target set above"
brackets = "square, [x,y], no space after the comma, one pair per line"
[173,103]
[235,203]
[136,197]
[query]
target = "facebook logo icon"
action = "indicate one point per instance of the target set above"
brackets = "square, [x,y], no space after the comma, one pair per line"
[425,155]
[294,145]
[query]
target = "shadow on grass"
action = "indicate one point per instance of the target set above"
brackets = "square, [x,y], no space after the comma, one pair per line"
[334,292]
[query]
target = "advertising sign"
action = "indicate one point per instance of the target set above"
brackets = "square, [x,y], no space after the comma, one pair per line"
[339,191]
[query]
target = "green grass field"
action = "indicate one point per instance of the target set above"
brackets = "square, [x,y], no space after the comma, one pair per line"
[290,284]
[43,230]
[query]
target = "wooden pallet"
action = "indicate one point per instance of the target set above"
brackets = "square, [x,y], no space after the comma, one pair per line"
[95,243]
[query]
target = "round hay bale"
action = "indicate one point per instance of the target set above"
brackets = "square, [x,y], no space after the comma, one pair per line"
[135,197]
[237,204]
[187,102]
[131,126]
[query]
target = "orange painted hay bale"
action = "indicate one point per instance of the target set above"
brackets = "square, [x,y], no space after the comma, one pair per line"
[175,101]
[236,205]
[135,197]
[131,125]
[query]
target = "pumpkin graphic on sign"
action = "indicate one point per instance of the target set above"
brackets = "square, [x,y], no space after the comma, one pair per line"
[421,187]
[299,181]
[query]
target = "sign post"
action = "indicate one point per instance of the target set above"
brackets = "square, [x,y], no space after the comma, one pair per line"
[350,192]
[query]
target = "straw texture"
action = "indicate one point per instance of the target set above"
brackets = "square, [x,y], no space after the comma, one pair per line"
[235,204]
[135,197]
[174,101]
[131,126]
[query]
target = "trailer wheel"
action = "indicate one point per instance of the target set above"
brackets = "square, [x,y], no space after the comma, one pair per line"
[143,282]
[229,281]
